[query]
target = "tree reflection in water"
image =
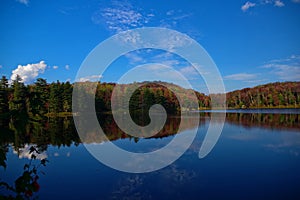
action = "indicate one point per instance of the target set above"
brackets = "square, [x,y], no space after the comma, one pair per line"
[26,185]
[265,120]
[60,131]
[38,134]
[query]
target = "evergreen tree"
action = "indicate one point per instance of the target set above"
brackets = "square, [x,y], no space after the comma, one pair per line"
[4,95]
[148,99]
[134,102]
[39,96]
[67,97]
[55,98]
[18,102]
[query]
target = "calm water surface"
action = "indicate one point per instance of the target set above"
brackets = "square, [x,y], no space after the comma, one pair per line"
[257,156]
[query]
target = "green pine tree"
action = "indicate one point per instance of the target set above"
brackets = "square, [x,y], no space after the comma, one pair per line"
[4,108]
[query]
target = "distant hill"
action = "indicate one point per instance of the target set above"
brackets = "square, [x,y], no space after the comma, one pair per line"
[149,93]
[271,95]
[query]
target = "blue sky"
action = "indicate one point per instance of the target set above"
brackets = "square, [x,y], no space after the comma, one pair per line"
[252,42]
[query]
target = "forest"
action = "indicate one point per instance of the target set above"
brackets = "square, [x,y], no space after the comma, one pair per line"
[42,98]
[272,95]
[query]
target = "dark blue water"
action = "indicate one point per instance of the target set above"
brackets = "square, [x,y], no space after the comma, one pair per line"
[256,157]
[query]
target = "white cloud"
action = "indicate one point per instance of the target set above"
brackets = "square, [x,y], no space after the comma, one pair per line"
[1,66]
[150,56]
[121,16]
[188,71]
[91,78]
[170,12]
[134,58]
[164,58]
[120,20]
[173,41]
[296,1]
[292,58]
[67,67]
[287,69]
[55,67]
[181,16]
[172,18]
[278,3]
[157,67]
[247,5]
[258,80]
[241,77]
[284,71]
[25,153]
[151,15]
[171,62]
[295,56]
[200,71]
[130,37]
[25,2]
[29,72]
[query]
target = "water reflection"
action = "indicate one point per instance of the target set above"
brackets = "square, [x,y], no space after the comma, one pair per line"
[265,120]
[27,184]
[60,131]
[48,131]
[171,179]
[241,147]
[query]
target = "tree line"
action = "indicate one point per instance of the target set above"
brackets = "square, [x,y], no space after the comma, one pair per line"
[42,98]
[35,99]
[272,95]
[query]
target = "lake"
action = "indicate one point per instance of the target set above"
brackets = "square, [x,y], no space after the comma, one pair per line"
[256,157]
